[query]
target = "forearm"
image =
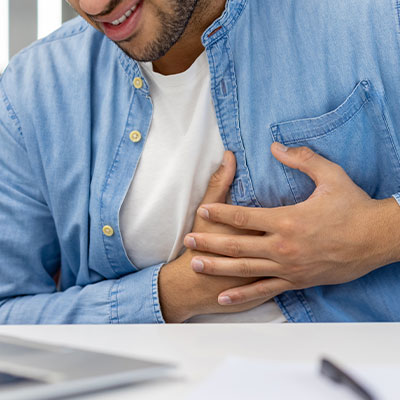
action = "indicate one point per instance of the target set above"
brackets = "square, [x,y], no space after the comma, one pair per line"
[130,299]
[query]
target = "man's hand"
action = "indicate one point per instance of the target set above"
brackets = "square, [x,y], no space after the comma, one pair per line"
[337,235]
[184,293]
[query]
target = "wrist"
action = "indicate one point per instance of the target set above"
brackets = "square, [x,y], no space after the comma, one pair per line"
[385,231]
[175,287]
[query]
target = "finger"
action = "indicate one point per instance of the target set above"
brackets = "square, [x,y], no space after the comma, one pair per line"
[256,219]
[264,289]
[221,180]
[229,245]
[318,168]
[239,267]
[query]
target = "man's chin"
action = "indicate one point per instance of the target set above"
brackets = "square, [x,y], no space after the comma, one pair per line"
[147,53]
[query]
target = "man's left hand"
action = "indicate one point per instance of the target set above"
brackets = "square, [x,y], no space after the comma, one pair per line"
[337,235]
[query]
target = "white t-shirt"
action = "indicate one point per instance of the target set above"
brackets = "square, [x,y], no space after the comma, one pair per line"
[182,151]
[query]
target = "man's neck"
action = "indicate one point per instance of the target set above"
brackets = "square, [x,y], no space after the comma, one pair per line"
[188,48]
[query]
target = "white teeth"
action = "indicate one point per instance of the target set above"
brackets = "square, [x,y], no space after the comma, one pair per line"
[124,17]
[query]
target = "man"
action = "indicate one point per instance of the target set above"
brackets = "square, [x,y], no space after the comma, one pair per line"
[111,128]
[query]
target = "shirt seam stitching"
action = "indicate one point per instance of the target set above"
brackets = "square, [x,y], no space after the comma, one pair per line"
[329,132]
[284,310]
[310,314]
[49,39]
[11,112]
[114,304]
[390,133]
[156,303]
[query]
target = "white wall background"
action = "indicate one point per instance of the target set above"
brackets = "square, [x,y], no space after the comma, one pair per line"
[4,34]
[24,21]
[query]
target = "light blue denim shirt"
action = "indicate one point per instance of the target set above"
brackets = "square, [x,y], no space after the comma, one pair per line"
[319,73]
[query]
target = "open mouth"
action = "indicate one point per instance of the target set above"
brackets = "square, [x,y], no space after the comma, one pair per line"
[125,26]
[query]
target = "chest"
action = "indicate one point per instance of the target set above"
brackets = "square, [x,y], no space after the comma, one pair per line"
[313,75]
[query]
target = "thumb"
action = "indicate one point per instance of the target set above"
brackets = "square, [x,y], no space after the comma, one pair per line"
[221,180]
[318,168]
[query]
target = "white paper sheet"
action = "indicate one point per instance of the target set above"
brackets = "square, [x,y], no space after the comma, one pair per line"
[244,379]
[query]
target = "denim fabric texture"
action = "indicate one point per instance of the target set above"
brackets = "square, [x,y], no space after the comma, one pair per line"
[317,73]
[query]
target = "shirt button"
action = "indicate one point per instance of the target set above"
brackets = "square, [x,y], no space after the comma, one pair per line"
[108,231]
[135,136]
[138,83]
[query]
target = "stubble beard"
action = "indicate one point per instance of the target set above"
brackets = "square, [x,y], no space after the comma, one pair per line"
[172,26]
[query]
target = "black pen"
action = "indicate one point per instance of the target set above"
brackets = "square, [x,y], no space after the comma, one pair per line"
[336,374]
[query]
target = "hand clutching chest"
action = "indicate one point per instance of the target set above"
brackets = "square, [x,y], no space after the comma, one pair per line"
[335,236]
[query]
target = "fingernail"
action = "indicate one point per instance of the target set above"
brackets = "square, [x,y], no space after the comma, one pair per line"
[203,212]
[190,242]
[197,265]
[281,147]
[224,300]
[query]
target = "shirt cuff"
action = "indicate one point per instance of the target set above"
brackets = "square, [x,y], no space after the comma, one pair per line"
[135,300]
[397,197]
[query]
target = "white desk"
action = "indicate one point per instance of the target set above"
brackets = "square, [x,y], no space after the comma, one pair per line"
[197,349]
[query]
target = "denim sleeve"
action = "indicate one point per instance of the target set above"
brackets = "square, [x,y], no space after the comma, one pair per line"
[397,197]
[30,254]
[131,299]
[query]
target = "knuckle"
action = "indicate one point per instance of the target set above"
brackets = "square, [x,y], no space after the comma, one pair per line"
[263,291]
[338,170]
[245,269]
[210,267]
[288,226]
[215,213]
[305,154]
[287,250]
[240,218]
[202,244]
[216,179]
[233,248]
[239,298]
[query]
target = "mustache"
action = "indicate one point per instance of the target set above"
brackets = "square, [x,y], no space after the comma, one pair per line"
[107,10]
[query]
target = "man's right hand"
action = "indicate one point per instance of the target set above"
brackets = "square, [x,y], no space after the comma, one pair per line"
[184,293]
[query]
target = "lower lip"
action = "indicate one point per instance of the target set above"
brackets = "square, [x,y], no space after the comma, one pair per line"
[125,30]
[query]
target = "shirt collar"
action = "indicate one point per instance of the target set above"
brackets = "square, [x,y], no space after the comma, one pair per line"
[218,29]
[221,26]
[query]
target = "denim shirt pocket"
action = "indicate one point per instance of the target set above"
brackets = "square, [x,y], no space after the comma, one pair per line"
[358,135]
